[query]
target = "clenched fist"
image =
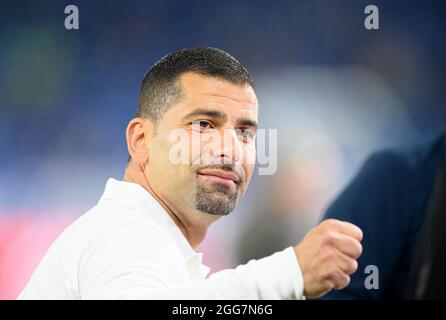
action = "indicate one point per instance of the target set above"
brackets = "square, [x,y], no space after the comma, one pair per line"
[327,256]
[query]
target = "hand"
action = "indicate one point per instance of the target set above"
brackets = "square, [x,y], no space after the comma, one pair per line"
[327,256]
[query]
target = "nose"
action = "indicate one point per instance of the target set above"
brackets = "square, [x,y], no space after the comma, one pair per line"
[231,148]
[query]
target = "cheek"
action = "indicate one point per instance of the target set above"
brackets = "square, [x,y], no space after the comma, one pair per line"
[249,171]
[160,153]
[162,166]
[249,158]
[172,178]
[249,162]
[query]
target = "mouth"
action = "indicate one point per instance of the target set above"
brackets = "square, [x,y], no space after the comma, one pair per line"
[215,175]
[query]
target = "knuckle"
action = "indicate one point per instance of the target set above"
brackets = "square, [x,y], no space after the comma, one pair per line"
[330,222]
[357,249]
[354,247]
[352,266]
[355,266]
[342,282]
[326,275]
[360,234]
[329,285]
[329,238]
[345,282]
[330,256]
[330,273]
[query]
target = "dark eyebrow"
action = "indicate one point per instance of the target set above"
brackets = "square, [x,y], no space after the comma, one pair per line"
[221,116]
[206,112]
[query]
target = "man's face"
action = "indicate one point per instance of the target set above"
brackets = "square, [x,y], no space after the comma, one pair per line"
[217,121]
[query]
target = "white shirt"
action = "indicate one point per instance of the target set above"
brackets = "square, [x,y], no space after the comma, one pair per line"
[128,247]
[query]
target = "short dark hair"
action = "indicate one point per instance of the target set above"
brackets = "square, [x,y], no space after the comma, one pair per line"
[160,90]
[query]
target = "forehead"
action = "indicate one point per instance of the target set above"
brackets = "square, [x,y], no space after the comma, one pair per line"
[204,91]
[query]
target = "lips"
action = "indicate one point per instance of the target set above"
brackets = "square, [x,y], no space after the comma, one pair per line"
[220,174]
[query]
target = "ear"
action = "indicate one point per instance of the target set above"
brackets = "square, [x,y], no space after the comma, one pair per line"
[139,136]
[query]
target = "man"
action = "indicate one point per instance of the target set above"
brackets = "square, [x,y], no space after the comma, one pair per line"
[389,199]
[139,241]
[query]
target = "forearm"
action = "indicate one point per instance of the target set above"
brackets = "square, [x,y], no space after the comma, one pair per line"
[275,277]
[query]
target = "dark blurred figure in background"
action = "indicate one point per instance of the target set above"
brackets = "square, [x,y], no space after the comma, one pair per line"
[428,279]
[388,200]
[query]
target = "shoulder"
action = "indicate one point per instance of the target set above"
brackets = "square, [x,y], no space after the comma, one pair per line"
[108,227]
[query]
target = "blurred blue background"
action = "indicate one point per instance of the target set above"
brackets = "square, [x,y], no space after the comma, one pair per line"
[334,91]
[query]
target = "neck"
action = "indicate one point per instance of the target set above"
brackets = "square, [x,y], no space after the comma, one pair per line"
[194,229]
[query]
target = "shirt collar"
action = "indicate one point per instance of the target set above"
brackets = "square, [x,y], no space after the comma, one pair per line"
[135,196]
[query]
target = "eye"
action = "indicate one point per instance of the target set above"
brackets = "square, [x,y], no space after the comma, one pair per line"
[246,133]
[202,124]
